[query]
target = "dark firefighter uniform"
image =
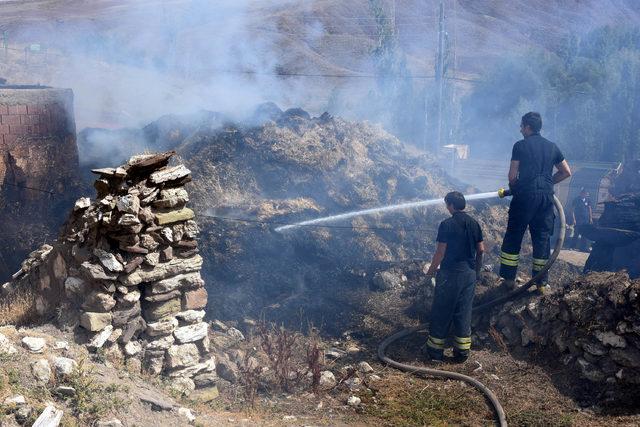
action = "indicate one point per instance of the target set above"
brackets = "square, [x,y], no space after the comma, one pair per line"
[531,205]
[455,286]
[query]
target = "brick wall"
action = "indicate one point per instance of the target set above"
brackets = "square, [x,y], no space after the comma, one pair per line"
[32,120]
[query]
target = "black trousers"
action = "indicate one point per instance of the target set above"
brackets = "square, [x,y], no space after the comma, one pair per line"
[535,211]
[452,304]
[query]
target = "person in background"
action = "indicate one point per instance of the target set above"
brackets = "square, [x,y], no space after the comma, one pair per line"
[459,255]
[581,214]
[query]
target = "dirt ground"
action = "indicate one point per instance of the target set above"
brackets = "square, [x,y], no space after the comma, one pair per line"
[532,389]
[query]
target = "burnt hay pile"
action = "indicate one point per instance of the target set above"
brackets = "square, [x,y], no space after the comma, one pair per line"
[247,180]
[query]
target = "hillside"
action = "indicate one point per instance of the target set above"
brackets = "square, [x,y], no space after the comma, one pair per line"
[130,62]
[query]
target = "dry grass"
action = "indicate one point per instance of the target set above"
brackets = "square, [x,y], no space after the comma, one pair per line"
[410,401]
[19,308]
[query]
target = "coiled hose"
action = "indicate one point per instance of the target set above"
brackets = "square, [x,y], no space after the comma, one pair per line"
[499,411]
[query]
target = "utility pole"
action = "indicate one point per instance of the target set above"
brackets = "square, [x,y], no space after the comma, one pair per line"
[440,73]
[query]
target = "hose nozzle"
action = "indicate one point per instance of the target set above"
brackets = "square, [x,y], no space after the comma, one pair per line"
[504,192]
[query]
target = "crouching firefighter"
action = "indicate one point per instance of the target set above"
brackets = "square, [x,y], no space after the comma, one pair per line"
[531,180]
[459,255]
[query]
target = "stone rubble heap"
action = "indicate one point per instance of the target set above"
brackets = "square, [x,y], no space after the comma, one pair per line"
[593,324]
[128,271]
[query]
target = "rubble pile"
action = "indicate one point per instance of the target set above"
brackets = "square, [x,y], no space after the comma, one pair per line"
[127,271]
[616,235]
[593,324]
[292,167]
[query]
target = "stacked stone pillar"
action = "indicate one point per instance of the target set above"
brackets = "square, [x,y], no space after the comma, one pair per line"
[135,278]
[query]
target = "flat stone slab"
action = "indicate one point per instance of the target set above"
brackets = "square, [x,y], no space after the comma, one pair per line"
[163,270]
[167,174]
[149,160]
[183,214]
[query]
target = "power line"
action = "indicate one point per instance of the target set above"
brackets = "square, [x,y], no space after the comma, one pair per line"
[27,187]
[349,76]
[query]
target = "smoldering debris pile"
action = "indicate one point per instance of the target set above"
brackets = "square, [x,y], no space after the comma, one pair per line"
[127,270]
[250,179]
[617,233]
[592,324]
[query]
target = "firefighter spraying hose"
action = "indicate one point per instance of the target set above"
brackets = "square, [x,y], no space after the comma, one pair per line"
[500,414]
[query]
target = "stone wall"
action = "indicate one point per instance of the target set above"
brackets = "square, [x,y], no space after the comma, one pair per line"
[592,324]
[125,272]
[38,168]
[30,121]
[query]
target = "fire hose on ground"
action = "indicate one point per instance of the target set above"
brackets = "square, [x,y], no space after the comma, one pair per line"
[499,411]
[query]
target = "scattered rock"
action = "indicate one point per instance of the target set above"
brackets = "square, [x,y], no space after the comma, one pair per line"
[15,400]
[354,383]
[100,338]
[386,280]
[327,379]
[34,344]
[50,417]
[364,367]
[227,370]
[64,366]
[65,391]
[61,345]
[208,394]
[354,401]
[41,371]
[183,386]
[611,339]
[629,357]
[6,347]
[334,353]
[187,415]
[217,325]
[156,402]
[132,348]
[235,333]
[590,371]
[110,423]
[206,379]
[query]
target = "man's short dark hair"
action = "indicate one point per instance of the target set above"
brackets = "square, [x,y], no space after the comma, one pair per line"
[533,120]
[456,199]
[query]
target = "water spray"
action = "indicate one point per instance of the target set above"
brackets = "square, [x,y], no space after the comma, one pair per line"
[383,209]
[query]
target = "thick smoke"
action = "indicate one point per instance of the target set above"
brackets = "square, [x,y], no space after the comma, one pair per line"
[134,61]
